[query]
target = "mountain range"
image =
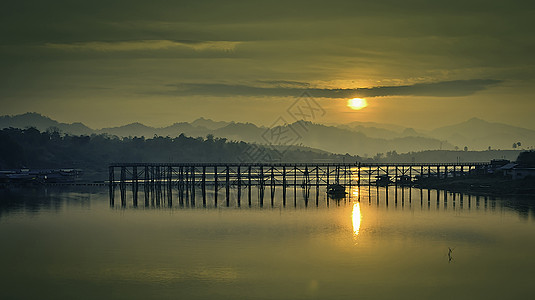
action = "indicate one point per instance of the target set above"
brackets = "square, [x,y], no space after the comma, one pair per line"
[356,138]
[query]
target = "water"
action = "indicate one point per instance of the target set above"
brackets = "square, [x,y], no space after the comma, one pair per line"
[70,244]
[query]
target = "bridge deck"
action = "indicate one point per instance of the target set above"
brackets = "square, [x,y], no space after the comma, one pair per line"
[187,178]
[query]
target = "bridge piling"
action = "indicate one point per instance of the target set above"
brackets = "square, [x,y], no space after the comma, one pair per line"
[187,178]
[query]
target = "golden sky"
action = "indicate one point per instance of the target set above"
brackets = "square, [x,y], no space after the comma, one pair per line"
[421,64]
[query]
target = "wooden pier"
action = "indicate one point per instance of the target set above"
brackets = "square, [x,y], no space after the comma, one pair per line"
[186,178]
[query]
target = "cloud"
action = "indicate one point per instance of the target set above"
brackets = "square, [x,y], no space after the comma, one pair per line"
[285,83]
[454,88]
[143,45]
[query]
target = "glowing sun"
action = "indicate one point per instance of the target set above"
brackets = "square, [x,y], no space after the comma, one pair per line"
[357,103]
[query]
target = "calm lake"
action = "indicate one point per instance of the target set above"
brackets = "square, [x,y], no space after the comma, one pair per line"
[70,243]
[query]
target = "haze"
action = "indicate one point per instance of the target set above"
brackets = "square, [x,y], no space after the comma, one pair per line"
[417,63]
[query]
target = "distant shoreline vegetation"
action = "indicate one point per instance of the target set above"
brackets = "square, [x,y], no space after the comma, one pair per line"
[32,148]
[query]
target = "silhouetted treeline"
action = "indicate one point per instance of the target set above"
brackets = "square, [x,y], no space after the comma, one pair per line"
[442,156]
[34,149]
[50,149]
[526,159]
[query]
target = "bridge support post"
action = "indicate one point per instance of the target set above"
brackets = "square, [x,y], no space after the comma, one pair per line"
[238,173]
[283,185]
[328,171]
[111,182]
[227,185]
[358,174]
[203,186]
[134,185]
[215,186]
[249,186]
[192,186]
[122,186]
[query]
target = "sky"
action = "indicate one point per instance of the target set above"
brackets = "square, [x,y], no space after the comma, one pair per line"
[420,64]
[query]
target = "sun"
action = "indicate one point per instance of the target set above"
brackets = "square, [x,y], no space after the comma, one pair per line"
[357,103]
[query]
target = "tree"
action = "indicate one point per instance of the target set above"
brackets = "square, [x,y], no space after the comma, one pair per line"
[514,146]
[465,148]
[54,132]
[392,153]
[526,158]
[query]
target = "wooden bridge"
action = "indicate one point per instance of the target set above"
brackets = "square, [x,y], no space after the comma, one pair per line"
[186,177]
[283,174]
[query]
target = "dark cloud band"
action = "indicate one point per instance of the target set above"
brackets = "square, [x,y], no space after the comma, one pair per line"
[437,89]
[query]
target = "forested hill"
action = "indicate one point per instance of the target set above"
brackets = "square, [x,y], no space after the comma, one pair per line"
[34,149]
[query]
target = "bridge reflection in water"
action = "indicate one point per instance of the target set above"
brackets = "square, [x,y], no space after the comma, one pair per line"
[240,179]
[397,197]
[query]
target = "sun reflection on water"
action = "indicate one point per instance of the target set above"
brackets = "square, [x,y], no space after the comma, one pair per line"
[356,219]
[355,193]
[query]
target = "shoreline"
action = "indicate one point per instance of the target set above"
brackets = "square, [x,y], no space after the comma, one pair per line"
[482,185]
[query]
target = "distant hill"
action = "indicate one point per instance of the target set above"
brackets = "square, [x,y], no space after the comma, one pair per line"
[188,129]
[372,131]
[382,132]
[133,129]
[478,134]
[138,129]
[339,140]
[246,132]
[328,138]
[42,123]
[209,124]
[355,138]
[358,124]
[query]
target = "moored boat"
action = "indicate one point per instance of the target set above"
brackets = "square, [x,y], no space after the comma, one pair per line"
[336,191]
[383,180]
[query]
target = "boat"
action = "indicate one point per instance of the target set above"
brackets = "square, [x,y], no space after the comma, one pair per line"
[39,175]
[336,191]
[383,180]
[403,180]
